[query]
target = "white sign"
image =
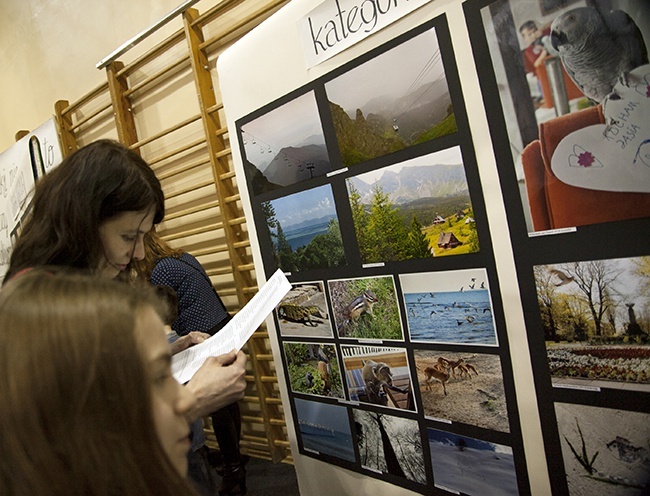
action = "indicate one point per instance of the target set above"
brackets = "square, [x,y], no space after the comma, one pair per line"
[29,158]
[336,25]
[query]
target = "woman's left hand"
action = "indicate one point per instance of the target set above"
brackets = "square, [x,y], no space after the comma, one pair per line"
[190,339]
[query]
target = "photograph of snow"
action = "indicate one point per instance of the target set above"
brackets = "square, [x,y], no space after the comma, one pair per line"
[395,100]
[415,209]
[303,311]
[366,308]
[285,146]
[605,450]
[390,445]
[471,466]
[449,307]
[559,95]
[462,387]
[596,322]
[314,369]
[378,375]
[304,231]
[325,429]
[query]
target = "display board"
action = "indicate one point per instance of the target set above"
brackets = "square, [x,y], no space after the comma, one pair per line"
[371,180]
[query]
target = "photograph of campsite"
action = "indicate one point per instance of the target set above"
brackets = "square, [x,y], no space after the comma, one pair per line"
[415,209]
[314,369]
[462,387]
[394,101]
[325,429]
[468,465]
[366,308]
[304,230]
[390,445]
[285,146]
[595,317]
[449,307]
[605,450]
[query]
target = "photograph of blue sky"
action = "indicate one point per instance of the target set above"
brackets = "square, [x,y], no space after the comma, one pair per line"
[307,205]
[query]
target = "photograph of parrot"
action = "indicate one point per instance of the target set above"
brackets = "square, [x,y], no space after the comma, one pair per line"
[598,49]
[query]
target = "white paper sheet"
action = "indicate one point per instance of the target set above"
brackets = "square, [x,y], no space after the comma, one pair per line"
[234,334]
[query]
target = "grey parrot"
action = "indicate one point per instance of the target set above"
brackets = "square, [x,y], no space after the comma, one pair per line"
[598,49]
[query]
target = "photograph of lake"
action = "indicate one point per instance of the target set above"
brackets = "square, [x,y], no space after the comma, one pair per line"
[325,428]
[435,313]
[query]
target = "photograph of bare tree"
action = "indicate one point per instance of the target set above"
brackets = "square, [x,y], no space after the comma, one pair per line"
[468,465]
[395,100]
[462,387]
[596,321]
[303,311]
[366,308]
[285,146]
[605,450]
[415,209]
[304,230]
[314,369]
[390,445]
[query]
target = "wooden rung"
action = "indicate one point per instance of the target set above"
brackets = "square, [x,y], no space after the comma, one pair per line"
[192,232]
[91,116]
[260,335]
[254,420]
[223,153]
[193,210]
[249,378]
[214,12]
[211,251]
[189,189]
[227,175]
[231,199]
[250,438]
[221,132]
[237,221]
[268,378]
[165,132]
[221,271]
[273,401]
[277,422]
[246,267]
[162,47]
[250,399]
[215,108]
[166,72]
[264,356]
[175,151]
[183,169]
[242,244]
[281,444]
[102,88]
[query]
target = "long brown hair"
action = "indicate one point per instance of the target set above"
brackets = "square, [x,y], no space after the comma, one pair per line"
[155,248]
[76,400]
[94,184]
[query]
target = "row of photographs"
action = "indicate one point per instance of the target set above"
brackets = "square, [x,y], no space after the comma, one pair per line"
[471,465]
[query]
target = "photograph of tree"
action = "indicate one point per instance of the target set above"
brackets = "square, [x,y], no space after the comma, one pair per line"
[390,445]
[596,320]
[366,308]
[471,466]
[304,230]
[285,146]
[395,100]
[314,369]
[462,387]
[303,311]
[378,375]
[449,307]
[556,86]
[325,429]
[416,209]
[605,450]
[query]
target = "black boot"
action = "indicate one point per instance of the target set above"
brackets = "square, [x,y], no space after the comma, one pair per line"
[234,479]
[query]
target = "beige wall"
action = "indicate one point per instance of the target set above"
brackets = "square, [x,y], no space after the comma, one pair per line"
[49,48]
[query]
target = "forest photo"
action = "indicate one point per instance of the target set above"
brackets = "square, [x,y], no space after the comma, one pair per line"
[390,445]
[285,146]
[303,311]
[471,466]
[605,450]
[366,308]
[325,429]
[449,307]
[395,100]
[596,321]
[416,209]
[304,231]
[314,369]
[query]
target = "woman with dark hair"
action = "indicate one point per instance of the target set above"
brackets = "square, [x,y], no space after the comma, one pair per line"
[89,405]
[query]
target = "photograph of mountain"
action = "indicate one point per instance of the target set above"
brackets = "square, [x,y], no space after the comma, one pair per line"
[467,465]
[596,323]
[415,209]
[285,146]
[605,450]
[304,230]
[395,100]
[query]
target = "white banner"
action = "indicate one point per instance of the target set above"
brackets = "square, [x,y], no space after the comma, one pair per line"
[336,25]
